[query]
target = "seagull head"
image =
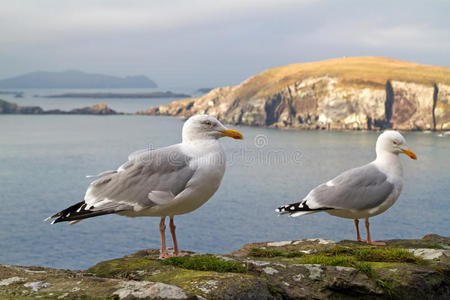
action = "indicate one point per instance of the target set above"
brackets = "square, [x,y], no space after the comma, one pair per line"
[393,142]
[207,127]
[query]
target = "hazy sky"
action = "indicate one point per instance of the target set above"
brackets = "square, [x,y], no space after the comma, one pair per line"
[206,43]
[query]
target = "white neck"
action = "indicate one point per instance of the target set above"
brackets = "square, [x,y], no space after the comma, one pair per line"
[202,146]
[189,137]
[389,163]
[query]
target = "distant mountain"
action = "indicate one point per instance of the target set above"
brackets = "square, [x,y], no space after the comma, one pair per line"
[75,79]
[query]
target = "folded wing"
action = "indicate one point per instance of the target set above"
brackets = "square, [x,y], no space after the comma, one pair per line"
[360,188]
[148,178]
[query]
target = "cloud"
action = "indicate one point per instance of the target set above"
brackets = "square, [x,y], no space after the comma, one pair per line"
[407,36]
[378,34]
[207,42]
[45,19]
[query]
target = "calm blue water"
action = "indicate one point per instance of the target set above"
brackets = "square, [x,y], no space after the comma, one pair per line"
[44,160]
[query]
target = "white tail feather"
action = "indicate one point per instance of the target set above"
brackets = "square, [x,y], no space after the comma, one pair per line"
[302,213]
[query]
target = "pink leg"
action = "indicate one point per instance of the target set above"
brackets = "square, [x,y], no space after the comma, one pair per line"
[162,228]
[176,251]
[358,237]
[369,241]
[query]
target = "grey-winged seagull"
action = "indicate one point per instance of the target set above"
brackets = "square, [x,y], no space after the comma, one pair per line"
[165,182]
[361,192]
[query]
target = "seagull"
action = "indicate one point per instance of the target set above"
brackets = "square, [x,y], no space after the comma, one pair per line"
[162,183]
[361,192]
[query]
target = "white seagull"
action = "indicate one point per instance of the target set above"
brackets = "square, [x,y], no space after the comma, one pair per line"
[361,192]
[160,183]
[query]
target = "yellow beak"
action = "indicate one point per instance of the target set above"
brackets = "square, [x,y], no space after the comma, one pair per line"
[409,153]
[233,134]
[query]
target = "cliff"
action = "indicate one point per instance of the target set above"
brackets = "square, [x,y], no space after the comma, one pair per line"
[13,108]
[302,269]
[361,93]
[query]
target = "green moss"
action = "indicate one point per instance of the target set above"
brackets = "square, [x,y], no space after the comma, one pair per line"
[375,254]
[433,246]
[181,277]
[388,286]
[258,252]
[270,253]
[122,266]
[295,254]
[366,268]
[337,260]
[205,263]
[384,265]
[364,258]
[338,250]
[386,255]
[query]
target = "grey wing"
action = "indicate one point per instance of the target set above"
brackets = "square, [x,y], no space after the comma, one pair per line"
[359,188]
[149,178]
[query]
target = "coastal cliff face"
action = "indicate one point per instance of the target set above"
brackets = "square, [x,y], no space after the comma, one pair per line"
[442,106]
[300,269]
[349,93]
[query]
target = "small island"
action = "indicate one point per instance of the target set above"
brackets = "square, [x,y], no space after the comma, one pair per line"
[95,95]
[14,93]
[97,109]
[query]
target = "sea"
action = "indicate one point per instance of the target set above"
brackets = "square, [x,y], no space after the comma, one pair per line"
[44,160]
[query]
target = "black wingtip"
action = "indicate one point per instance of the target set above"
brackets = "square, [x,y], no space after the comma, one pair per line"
[296,207]
[78,212]
[65,213]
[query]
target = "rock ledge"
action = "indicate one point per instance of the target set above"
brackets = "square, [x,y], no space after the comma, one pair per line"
[302,269]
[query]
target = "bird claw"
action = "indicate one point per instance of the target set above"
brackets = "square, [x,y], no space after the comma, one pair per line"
[164,255]
[375,243]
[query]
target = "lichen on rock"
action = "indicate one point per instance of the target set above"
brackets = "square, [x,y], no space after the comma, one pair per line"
[310,268]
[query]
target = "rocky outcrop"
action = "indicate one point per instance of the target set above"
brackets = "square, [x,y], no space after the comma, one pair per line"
[97,109]
[352,93]
[13,108]
[300,269]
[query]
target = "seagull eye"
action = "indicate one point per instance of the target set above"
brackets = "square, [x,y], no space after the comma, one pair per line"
[395,143]
[208,123]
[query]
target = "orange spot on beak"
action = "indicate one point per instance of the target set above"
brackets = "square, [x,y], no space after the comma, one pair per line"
[410,153]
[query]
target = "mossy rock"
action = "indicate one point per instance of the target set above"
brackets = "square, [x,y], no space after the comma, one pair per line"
[313,268]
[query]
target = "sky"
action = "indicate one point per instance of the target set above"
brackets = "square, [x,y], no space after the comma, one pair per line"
[205,43]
